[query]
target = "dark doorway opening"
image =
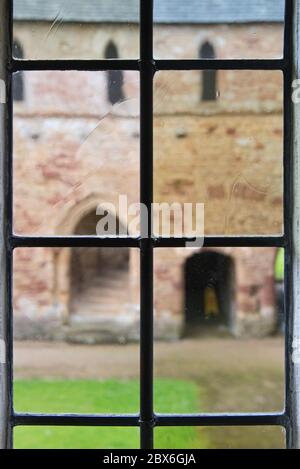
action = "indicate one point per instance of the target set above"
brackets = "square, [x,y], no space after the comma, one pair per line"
[99,276]
[209,295]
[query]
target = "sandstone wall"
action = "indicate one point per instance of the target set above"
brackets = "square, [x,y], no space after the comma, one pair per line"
[67,40]
[73,151]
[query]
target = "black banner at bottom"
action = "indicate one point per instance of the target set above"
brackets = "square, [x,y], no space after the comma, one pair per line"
[138,458]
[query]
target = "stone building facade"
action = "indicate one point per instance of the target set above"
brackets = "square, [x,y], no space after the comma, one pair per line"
[218,140]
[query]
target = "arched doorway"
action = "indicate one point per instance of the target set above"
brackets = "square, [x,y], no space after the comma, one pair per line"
[99,278]
[209,295]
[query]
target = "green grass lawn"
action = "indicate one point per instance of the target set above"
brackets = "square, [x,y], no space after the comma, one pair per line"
[110,396]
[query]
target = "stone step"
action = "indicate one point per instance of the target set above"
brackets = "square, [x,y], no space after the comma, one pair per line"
[104,295]
[102,329]
[107,286]
[102,299]
[112,297]
[104,289]
[107,282]
[99,294]
[111,274]
[98,300]
[100,303]
[100,309]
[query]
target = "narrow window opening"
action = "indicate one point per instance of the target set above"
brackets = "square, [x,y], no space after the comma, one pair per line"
[209,77]
[115,78]
[18,78]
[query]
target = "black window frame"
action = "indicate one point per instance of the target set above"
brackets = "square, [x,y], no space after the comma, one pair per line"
[147,420]
[18,81]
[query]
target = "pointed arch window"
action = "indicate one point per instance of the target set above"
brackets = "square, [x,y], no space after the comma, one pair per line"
[115,78]
[209,77]
[18,78]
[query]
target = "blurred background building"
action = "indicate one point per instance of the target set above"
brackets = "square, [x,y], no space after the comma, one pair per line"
[218,140]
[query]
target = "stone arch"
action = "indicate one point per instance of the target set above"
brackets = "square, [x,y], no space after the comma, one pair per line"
[79,209]
[99,277]
[63,257]
[170,289]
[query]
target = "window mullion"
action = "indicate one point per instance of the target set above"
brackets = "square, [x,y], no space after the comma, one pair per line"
[146,197]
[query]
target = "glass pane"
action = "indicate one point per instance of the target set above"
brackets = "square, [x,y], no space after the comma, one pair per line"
[220,438]
[204,301]
[76,326]
[75,438]
[226,29]
[76,30]
[76,151]
[218,141]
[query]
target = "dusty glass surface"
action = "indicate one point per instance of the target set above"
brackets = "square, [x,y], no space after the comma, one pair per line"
[222,311]
[73,29]
[76,330]
[220,438]
[218,29]
[218,141]
[76,150]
